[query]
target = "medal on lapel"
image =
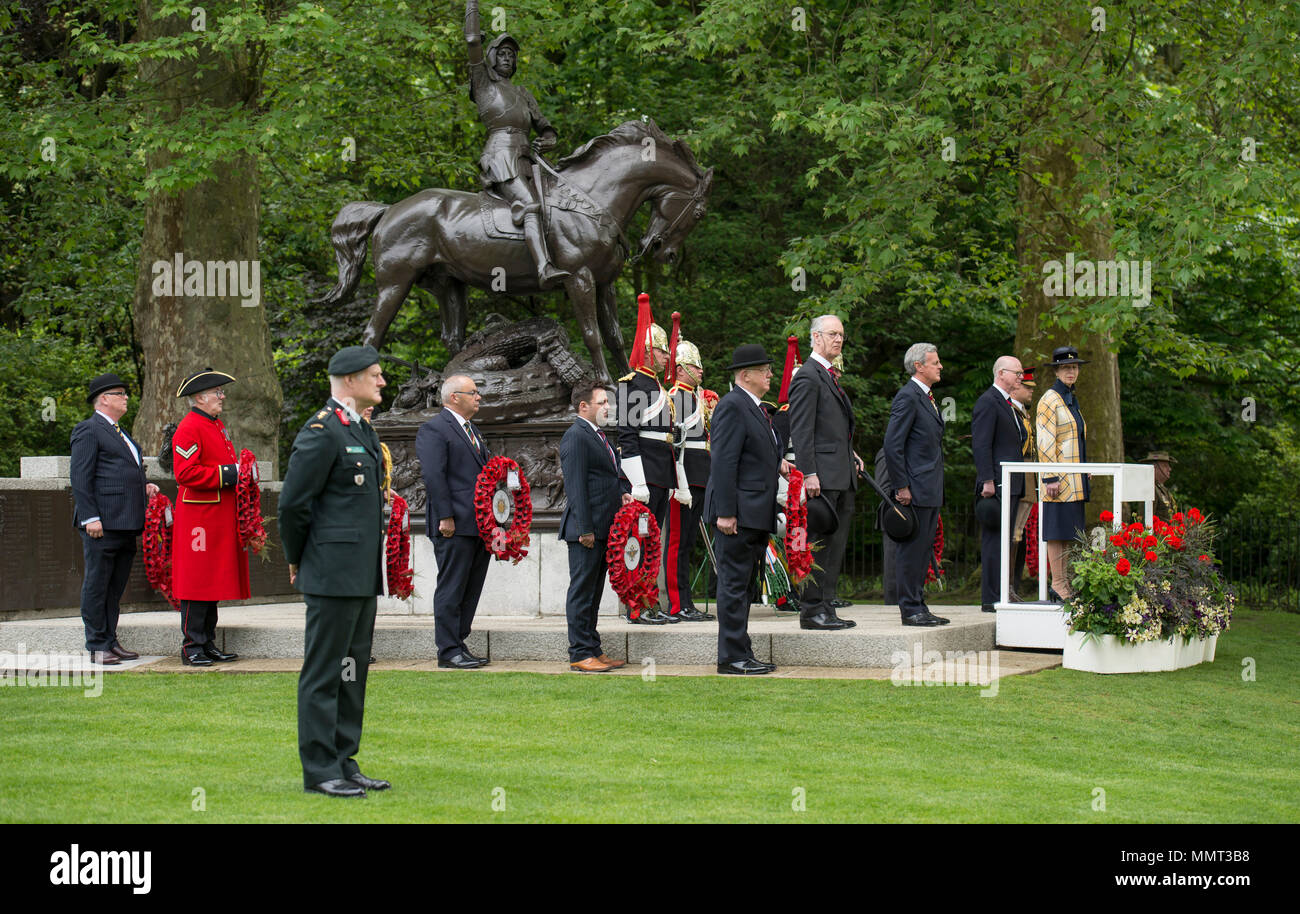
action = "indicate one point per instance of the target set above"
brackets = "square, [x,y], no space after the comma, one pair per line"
[360,478]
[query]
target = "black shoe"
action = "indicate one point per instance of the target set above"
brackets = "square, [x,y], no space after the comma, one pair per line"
[669,617]
[649,618]
[373,661]
[196,660]
[840,604]
[745,668]
[922,618]
[482,661]
[369,783]
[338,788]
[1054,596]
[770,666]
[212,653]
[847,623]
[942,620]
[691,614]
[987,608]
[824,622]
[460,662]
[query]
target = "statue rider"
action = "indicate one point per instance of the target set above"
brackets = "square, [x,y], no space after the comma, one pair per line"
[509,112]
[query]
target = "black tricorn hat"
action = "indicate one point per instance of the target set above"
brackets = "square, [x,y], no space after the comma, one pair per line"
[988,511]
[1066,355]
[102,383]
[204,380]
[822,519]
[747,356]
[898,521]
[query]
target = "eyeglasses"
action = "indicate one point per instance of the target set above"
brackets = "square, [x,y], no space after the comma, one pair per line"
[216,392]
[1018,374]
[833,334]
[116,393]
[468,393]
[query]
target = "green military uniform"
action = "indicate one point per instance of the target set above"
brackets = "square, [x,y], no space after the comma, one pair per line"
[331,525]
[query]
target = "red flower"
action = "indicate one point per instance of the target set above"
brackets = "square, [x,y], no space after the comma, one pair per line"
[1122,566]
[636,587]
[1150,542]
[1118,539]
[1151,556]
[397,551]
[1174,542]
[1195,516]
[798,549]
[1107,517]
[1205,558]
[503,542]
[1177,518]
[1134,527]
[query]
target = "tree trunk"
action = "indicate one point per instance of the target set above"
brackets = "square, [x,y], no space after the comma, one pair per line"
[1049,229]
[213,221]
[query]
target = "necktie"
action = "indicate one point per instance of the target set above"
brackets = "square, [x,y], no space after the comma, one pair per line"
[608,448]
[118,429]
[933,405]
[473,439]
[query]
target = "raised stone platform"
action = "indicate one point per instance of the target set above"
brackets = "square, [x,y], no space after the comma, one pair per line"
[276,631]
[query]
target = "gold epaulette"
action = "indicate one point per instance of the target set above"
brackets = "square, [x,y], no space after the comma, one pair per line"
[627,377]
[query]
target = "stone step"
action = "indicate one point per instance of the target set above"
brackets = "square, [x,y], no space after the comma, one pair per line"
[276,631]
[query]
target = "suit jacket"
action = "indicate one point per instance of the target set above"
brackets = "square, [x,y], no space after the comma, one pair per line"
[997,437]
[746,464]
[592,487]
[331,510]
[450,466]
[106,480]
[914,446]
[821,427]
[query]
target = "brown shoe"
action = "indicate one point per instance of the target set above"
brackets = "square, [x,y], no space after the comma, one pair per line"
[104,658]
[611,662]
[122,652]
[590,665]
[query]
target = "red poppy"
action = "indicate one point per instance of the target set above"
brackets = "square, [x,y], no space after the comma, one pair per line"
[1122,566]
[1151,556]
[1107,517]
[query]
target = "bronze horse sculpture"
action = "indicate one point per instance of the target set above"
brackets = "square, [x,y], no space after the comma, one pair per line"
[448,240]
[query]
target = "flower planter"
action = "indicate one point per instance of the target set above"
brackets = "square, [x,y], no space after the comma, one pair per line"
[1111,654]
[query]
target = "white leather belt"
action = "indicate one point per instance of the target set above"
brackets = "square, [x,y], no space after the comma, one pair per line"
[696,445]
[658,436]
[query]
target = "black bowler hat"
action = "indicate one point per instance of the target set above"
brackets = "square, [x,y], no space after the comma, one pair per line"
[204,380]
[102,383]
[352,359]
[822,519]
[1066,355]
[898,521]
[988,511]
[748,356]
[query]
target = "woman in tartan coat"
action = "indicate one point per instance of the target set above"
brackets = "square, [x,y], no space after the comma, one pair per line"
[1062,438]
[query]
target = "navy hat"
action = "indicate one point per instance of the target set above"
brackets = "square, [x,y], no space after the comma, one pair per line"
[352,359]
[102,383]
[988,511]
[748,356]
[204,380]
[1066,355]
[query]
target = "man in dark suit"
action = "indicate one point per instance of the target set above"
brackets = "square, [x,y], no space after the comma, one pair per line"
[452,452]
[741,502]
[110,492]
[331,521]
[997,435]
[593,493]
[821,427]
[914,456]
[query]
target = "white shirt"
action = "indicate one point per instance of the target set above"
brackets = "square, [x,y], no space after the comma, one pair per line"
[921,385]
[134,452]
[827,365]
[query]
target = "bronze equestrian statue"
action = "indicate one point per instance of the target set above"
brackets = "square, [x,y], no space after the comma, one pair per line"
[447,240]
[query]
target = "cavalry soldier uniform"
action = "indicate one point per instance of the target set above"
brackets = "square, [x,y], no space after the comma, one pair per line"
[686,507]
[208,563]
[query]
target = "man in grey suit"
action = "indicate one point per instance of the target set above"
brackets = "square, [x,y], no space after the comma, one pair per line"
[821,427]
[914,455]
[593,493]
[110,492]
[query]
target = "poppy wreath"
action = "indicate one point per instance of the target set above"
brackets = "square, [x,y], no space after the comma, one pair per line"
[398,550]
[798,551]
[248,498]
[636,587]
[938,554]
[158,547]
[508,542]
[1031,542]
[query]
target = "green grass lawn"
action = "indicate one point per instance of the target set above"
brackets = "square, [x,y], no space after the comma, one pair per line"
[1196,745]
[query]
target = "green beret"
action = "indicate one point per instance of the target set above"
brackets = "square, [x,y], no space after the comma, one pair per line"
[352,359]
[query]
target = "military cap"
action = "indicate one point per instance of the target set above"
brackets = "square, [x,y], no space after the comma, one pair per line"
[352,359]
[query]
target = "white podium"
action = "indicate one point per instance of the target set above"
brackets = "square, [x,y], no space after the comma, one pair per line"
[1041,624]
